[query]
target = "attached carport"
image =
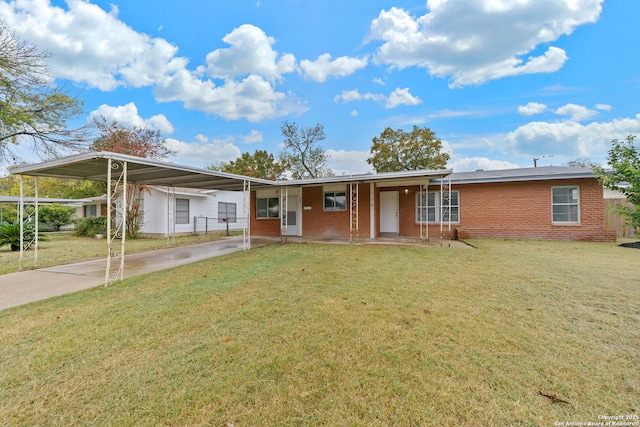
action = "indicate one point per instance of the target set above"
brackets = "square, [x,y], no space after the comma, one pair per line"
[118,170]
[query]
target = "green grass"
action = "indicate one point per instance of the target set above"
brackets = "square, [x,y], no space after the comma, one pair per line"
[338,335]
[63,248]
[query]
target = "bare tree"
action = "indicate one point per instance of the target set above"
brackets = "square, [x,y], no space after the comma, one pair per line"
[303,156]
[32,108]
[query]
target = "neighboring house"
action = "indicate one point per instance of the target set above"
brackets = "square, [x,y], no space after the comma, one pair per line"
[167,210]
[556,203]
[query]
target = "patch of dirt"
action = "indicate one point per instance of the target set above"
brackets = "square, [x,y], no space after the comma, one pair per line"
[633,245]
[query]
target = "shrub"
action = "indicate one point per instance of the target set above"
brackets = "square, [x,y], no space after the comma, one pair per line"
[10,235]
[91,226]
[55,215]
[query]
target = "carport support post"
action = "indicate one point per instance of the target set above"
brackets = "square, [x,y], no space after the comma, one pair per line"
[124,219]
[21,217]
[246,208]
[35,250]
[106,274]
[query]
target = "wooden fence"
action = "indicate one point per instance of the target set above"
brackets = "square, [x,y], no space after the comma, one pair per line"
[615,221]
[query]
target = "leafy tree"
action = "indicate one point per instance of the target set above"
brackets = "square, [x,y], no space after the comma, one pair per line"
[302,155]
[54,187]
[624,176]
[397,150]
[55,215]
[260,164]
[133,141]
[32,108]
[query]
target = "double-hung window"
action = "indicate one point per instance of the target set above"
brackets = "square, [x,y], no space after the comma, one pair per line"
[268,207]
[428,204]
[226,212]
[565,205]
[335,201]
[90,210]
[182,211]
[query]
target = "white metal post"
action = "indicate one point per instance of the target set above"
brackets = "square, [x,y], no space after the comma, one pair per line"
[246,207]
[125,210]
[21,218]
[35,254]
[109,184]
[372,211]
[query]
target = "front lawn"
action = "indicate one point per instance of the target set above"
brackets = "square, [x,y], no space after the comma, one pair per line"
[338,335]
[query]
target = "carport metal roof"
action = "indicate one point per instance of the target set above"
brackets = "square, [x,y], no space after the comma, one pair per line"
[93,166]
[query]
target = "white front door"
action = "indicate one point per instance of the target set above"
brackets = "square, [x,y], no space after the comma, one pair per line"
[293,216]
[389,212]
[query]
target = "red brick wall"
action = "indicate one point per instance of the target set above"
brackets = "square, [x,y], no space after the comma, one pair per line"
[320,223]
[262,226]
[316,222]
[523,210]
[492,210]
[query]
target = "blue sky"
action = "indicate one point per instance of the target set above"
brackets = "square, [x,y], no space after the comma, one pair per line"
[499,81]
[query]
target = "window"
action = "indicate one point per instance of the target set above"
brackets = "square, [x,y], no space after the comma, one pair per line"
[182,211]
[335,201]
[268,208]
[90,210]
[565,204]
[428,206]
[226,211]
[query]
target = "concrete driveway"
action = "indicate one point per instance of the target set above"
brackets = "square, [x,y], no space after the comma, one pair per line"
[34,285]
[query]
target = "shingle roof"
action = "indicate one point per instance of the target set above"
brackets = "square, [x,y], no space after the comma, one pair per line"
[520,174]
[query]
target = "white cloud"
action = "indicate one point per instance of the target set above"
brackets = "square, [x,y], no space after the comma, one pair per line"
[576,112]
[127,116]
[570,138]
[476,41]
[395,99]
[253,98]
[604,107]
[345,162]
[531,109]
[253,137]
[202,151]
[90,45]
[323,67]
[93,47]
[401,97]
[353,113]
[251,52]
[469,164]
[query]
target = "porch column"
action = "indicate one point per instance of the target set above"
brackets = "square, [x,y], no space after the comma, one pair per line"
[284,210]
[372,210]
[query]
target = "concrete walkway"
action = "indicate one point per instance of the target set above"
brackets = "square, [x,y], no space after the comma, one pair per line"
[34,285]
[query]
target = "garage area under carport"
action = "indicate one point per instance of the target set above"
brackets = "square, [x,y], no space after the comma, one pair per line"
[120,170]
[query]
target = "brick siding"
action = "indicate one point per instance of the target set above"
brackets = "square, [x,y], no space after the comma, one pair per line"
[488,210]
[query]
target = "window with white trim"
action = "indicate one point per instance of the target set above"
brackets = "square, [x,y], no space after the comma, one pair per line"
[428,206]
[268,207]
[565,205]
[91,210]
[335,201]
[226,212]
[182,211]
